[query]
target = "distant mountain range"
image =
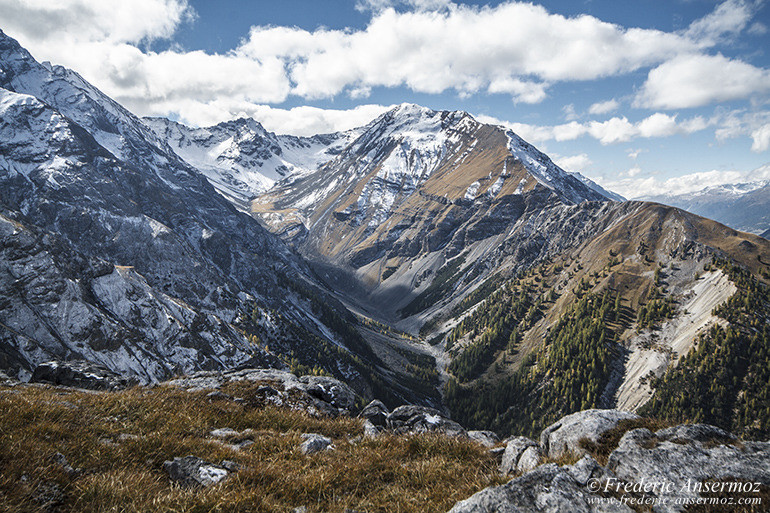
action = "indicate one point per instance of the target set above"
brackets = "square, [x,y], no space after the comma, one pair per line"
[743,206]
[424,257]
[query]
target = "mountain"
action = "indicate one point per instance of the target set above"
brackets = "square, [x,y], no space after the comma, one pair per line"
[766,234]
[117,251]
[470,262]
[614,196]
[414,190]
[241,159]
[743,206]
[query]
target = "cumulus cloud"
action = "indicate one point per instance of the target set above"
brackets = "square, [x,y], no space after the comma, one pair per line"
[611,131]
[574,163]
[603,107]
[429,46]
[694,80]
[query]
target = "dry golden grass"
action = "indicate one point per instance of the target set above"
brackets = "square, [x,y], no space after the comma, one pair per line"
[416,473]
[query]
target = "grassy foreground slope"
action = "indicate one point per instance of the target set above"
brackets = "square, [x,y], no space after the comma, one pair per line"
[119,441]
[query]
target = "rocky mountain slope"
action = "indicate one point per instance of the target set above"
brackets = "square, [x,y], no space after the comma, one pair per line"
[414,190]
[118,251]
[241,159]
[743,206]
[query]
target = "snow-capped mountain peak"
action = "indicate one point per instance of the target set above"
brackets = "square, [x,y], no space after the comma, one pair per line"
[242,159]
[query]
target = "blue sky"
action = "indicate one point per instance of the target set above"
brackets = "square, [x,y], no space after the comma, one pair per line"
[645,97]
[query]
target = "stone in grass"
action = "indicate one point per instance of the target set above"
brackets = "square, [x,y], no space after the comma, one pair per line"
[315,443]
[192,471]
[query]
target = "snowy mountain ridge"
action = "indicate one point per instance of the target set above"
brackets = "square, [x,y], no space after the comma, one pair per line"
[242,159]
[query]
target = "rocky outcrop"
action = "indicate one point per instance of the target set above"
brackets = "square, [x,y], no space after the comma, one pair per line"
[80,374]
[192,471]
[421,419]
[485,438]
[549,488]
[521,455]
[665,470]
[563,437]
[686,456]
[376,413]
[316,394]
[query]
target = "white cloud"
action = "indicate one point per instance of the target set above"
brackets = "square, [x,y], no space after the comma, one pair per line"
[302,120]
[752,124]
[379,5]
[603,107]
[429,46]
[761,139]
[574,163]
[569,112]
[694,80]
[611,131]
[521,90]
[729,18]
[631,187]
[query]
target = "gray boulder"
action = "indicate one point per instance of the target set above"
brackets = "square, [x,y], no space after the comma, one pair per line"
[421,419]
[563,437]
[686,456]
[548,488]
[191,471]
[315,443]
[330,390]
[375,412]
[521,455]
[485,438]
[370,430]
[79,374]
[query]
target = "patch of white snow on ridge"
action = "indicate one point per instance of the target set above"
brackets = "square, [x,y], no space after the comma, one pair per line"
[472,191]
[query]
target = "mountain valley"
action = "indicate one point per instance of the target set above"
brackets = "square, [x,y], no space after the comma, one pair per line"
[423,258]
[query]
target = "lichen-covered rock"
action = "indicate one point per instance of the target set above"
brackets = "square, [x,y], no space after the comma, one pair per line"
[563,437]
[485,438]
[686,456]
[548,488]
[79,374]
[192,471]
[521,455]
[421,419]
[315,443]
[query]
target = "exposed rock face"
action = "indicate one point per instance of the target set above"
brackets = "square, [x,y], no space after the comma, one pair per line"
[330,390]
[79,374]
[563,437]
[485,438]
[375,412]
[680,459]
[421,419]
[116,251]
[192,471]
[548,488]
[688,455]
[521,455]
[318,394]
[242,159]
